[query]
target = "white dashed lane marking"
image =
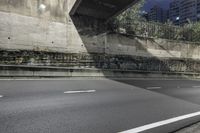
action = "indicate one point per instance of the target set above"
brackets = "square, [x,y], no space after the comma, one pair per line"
[73,92]
[153,88]
[196,86]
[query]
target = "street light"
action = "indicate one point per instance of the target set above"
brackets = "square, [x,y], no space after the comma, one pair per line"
[177,18]
[42,7]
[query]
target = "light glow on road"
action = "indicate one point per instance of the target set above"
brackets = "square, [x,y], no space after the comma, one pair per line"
[86,91]
[1,96]
[161,123]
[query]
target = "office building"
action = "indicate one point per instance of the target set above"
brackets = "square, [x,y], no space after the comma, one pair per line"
[184,11]
[174,12]
[156,14]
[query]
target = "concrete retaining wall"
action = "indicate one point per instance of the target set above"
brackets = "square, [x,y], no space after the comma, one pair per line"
[45,72]
[29,36]
[24,27]
[100,61]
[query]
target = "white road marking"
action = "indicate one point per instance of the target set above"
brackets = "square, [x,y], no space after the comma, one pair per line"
[161,123]
[153,88]
[57,79]
[86,91]
[1,96]
[196,86]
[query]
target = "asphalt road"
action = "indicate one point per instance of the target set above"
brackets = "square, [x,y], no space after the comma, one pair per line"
[95,106]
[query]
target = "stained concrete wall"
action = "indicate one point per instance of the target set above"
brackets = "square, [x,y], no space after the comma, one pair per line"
[24,27]
[119,44]
[56,10]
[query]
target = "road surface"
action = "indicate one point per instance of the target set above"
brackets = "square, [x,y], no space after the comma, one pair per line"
[97,106]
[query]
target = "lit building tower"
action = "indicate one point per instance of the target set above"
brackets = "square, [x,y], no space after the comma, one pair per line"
[156,14]
[165,16]
[174,12]
[188,11]
[198,10]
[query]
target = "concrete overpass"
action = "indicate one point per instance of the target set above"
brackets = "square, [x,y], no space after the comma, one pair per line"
[101,9]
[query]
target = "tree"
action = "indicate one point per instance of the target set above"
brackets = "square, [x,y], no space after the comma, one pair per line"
[190,32]
[127,18]
[196,31]
[132,13]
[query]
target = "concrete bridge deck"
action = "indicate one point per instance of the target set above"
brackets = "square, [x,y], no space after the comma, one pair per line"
[101,9]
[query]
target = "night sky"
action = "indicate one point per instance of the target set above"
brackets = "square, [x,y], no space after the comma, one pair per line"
[163,3]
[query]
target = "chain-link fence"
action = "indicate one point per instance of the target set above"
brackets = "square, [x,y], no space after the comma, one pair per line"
[157,30]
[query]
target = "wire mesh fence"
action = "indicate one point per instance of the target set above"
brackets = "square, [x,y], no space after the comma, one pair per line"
[157,30]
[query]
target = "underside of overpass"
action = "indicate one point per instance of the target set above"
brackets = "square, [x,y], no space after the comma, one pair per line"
[90,17]
[101,9]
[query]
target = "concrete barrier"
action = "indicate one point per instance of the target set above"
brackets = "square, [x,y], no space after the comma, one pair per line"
[54,72]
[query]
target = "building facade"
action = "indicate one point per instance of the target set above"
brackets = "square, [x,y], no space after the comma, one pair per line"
[184,11]
[188,11]
[174,12]
[156,14]
[198,10]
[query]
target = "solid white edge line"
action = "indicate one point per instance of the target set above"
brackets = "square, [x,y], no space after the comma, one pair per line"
[86,91]
[161,123]
[152,88]
[62,79]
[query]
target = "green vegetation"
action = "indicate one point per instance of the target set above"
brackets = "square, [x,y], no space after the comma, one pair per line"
[191,32]
[131,22]
[131,14]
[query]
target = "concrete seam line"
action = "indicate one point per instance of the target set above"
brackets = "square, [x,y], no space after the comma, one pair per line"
[161,123]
